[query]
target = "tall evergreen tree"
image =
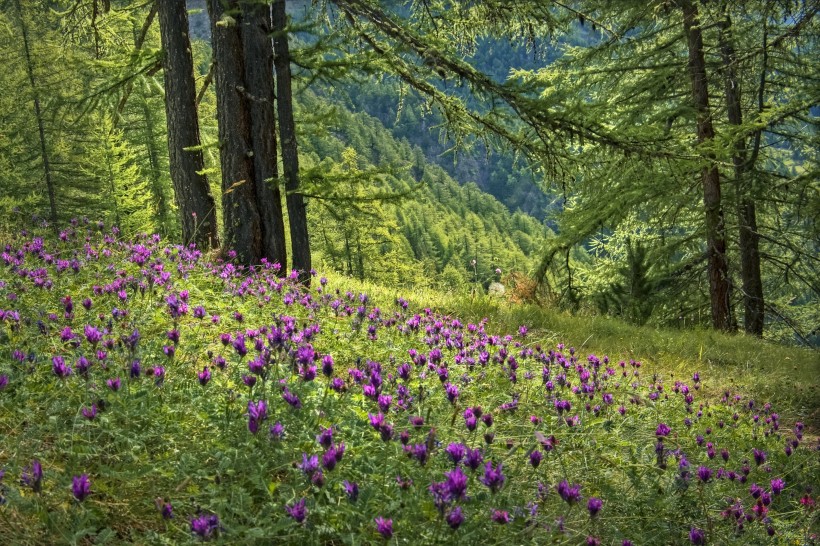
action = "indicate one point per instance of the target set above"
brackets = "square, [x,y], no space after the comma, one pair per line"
[193,194]
[297,208]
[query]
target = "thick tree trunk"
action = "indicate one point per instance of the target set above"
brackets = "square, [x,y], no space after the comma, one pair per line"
[258,52]
[193,194]
[753,308]
[719,283]
[297,211]
[38,114]
[243,224]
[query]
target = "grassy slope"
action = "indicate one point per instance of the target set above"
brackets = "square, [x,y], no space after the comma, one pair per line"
[190,443]
[763,370]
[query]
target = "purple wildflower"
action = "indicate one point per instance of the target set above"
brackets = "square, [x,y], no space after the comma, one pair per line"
[570,494]
[704,473]
[81,487]
[473,458]
[456,483]
[455,518]
[384,527]
[594,506]
[456,452]
[297,511]
[351,490]
[501,516]
[33,476]
[697,536]
[493,477]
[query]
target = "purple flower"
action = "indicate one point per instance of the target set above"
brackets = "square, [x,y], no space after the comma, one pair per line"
[456,483]
[384,527]
[291,398]
[759,455]
[663,430]
[697,536]
[257,412]
[500,516]
[594,506]
[297,511]
[452,392]
[351,490]
[114,384]
[325,437]
[309,464]
[456,452]
[90,413]
[455,518]
[704,473]
[570,494]
[535,458]
[81,487]
[165,508]
[204,376]
[778,485]
[4,381]
[474,458]
[33,476]
[493,477]
[59,367]
[277,431]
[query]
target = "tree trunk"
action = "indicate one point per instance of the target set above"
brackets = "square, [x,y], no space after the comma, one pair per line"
[753,309]
[243,224]
[258,53]
[193,194]
[38,114]
[719,284]
[297,211]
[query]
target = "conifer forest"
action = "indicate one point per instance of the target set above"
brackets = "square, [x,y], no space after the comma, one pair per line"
[409,272]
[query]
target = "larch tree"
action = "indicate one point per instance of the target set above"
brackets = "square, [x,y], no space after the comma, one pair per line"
[191,189]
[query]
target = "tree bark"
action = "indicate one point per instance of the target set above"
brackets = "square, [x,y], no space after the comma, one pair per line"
[38,114]
[193,194]
[243,224]
[718,268]
[753,303]
[258,53]
[297,210]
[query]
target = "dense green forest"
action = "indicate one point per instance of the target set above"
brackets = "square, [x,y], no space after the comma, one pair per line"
[655,162]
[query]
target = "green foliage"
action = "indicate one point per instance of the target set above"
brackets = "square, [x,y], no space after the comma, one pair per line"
[184,437]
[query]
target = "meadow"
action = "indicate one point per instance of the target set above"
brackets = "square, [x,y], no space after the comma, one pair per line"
[150,394]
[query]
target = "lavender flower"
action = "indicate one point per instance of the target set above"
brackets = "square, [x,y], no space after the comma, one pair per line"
[704,473]
[456,484]
[204,376]
[455,518]
[493,477]
[474,458]
[33,476]
[351,490]
[594,506]
[662,431]
[500,516]
[570,494]
[535,458]
[81,487]
[59,367]
[297,511]
[257,412]
[697,536]
[384,527]
[456,452]
[778,485]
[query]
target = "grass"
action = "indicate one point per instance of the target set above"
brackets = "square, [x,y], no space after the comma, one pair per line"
[206,404]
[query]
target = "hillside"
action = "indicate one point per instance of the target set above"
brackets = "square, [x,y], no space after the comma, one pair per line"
[151,394]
